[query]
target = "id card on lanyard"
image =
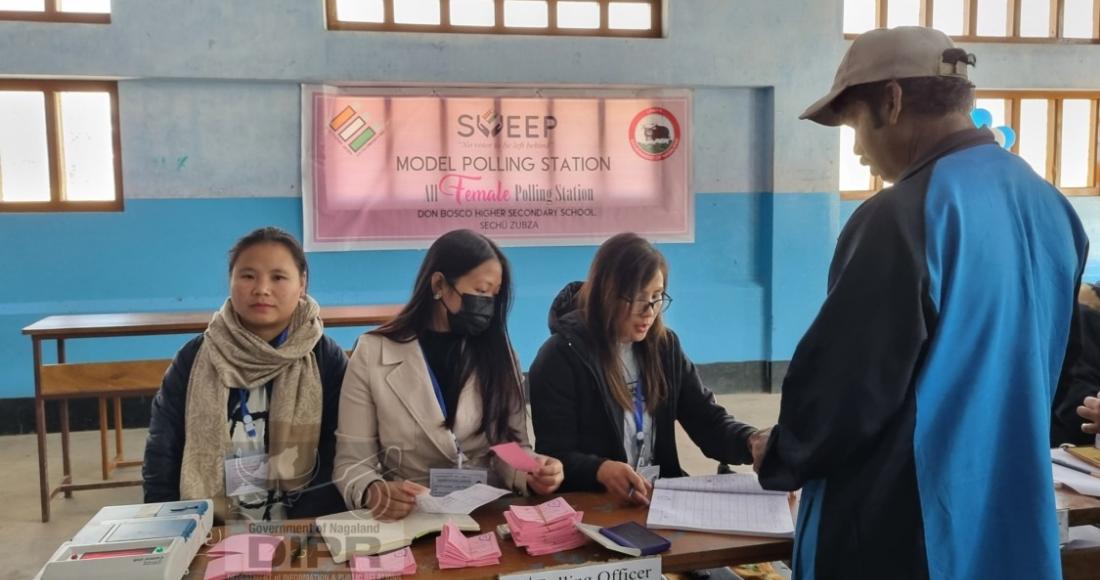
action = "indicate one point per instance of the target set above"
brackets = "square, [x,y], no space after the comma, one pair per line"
[246,471]
[444,481]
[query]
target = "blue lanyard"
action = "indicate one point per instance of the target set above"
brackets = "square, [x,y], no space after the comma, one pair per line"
[639,410]
[442,406]
[246,416]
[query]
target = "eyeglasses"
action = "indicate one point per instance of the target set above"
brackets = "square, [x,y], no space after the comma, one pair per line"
[642,306]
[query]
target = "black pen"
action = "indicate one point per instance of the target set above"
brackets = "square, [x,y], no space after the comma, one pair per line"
[1074,467]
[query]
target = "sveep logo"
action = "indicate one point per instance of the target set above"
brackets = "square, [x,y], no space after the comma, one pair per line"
[492,123]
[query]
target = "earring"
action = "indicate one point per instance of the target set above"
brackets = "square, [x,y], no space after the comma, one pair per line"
[437,296]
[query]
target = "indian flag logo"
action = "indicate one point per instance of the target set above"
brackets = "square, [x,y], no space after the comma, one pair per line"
[353,129]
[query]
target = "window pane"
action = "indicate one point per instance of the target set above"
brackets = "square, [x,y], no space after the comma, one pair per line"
[992,17]
[416,12]
[360,11]
[24,161]
[1078,19]
[87,6]
[947,16]
[1076,131]
[903,13]
[629,16]
[996,107]
[859,16]
[1033,134]
[23,5]
[854,176]
[1035,18]
[473,13]
[526,13]
[87,145]
[578,15]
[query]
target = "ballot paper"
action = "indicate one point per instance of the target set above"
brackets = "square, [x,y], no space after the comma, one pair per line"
[241,554]
[391,565]
[454,550]
[547,528]
[514,455]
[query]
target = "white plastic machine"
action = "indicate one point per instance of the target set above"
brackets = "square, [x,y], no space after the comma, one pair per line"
[144,541]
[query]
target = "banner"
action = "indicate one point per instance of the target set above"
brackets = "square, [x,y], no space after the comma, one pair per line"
[398,168]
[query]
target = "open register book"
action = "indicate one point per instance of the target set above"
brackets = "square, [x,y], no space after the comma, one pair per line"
[729,504]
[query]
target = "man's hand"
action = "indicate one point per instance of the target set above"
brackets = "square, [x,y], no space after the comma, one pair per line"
[758,445]
[1090,411]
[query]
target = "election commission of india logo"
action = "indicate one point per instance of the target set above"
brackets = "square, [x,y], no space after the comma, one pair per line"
[654,133]
[353,129]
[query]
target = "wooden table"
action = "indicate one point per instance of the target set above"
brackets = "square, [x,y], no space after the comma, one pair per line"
[690,550]
[64,381]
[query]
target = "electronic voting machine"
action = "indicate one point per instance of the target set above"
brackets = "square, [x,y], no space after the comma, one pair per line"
[154,540]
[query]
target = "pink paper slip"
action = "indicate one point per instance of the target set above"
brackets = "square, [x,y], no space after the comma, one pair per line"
[232,565]
[259,546]
[514,455]
[391,565]
[545,529]
[454,550]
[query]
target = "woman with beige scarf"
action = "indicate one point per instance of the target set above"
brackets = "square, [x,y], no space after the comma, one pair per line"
[247,412]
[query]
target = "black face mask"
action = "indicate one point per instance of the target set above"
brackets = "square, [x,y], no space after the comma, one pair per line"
[474,316]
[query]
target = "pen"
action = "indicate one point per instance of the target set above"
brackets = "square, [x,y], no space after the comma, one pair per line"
[1068,465]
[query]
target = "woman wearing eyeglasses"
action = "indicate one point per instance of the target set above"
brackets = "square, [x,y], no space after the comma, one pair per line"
[608,385]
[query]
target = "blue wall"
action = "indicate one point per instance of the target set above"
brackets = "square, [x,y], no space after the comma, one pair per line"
[210,122]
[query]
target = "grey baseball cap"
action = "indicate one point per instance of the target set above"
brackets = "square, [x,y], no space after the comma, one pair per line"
[891,53]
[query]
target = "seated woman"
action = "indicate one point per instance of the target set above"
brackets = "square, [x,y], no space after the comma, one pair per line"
[426,395]
[608,385]
[253,398]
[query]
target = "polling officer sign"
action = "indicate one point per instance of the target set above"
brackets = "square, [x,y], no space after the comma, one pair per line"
[397,168]
[634,569]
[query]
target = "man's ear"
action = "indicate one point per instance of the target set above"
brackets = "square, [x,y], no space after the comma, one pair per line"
[893,102]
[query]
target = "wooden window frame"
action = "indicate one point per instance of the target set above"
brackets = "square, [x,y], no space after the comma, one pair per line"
[55,150]
[445,26]
[53,13]
[1054,137]
[970,23]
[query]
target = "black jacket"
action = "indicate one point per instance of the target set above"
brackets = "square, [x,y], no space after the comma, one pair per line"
[164,445]
[1082,380]
[577,420]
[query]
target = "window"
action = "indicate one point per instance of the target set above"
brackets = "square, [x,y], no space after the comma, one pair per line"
[87,11]
[1056,133]
[59,146]
[629,18]
[1068,21]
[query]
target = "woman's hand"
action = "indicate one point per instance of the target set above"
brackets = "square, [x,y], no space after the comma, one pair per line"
[624,483]
[548,478]
[393,500]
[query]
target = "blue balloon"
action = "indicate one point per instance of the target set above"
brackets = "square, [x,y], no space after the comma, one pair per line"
[1010,136]
[982,118]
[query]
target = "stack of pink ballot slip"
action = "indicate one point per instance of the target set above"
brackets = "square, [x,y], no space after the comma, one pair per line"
[391,565]
[453,550]
[545,529]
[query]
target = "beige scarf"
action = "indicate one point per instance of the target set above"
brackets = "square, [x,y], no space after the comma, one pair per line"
[233,357]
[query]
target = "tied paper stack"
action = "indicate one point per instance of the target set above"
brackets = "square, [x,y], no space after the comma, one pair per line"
[242,554]
[454,550]
[545,529]
[392,565]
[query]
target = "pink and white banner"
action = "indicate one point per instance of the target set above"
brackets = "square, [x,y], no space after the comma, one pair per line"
[397,168]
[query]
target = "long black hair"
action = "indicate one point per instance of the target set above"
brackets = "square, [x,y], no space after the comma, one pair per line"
[487,355]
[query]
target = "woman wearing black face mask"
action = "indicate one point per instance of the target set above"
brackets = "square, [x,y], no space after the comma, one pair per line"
[426,395]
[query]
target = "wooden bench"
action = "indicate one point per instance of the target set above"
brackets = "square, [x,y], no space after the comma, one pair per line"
[113,381]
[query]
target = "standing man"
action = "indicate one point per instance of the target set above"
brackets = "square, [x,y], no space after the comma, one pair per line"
[916,412]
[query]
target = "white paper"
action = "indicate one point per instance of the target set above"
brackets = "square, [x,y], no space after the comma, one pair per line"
[724,483]
[710,504]
[1082,483]
[460,502]
[245,475]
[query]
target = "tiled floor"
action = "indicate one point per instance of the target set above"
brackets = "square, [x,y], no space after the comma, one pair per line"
[28,541]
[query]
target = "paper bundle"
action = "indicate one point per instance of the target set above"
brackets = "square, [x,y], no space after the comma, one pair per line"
[391,565]
[454,550]
[545,529]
